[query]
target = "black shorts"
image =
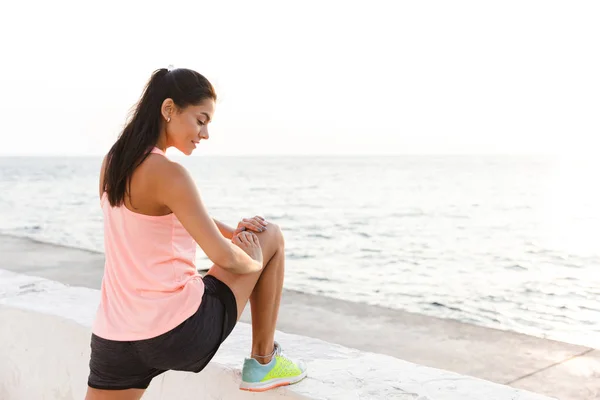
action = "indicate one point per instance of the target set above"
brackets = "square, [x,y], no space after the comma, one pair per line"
[188,347]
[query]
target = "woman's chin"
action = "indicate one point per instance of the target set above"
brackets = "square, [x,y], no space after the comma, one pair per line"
[187,150]
[192,148]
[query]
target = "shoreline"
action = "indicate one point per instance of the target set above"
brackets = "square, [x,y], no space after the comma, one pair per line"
[514,359]
[9,236]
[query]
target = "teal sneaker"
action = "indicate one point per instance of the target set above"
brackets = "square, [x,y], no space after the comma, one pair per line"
[281,371]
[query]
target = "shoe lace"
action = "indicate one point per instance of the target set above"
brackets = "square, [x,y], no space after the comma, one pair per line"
[285,363]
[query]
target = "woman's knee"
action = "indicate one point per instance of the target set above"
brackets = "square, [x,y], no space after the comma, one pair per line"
[275,234]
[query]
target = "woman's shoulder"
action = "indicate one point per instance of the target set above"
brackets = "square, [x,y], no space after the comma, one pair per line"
[160,166]
[159,174]
[156,172]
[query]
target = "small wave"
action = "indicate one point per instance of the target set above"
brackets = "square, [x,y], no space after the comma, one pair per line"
[274,217]
[589,308]
[31,228]
[49,242]
[435,303]
[407,214]
[575,266]
[540,291]
[318,278]
[486,311]
[296,256]
[320,236]
[456,216]
[495,299]
[360,222]
[516,267]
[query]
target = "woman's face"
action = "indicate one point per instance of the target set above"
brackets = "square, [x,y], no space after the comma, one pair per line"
[189,125]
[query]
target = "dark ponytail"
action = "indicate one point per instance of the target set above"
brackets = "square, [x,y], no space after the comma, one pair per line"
[185,87]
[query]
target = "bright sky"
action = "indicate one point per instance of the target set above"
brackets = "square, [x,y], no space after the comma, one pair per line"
[310,77]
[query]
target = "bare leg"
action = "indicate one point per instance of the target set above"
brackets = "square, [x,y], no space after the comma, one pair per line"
[263,289]
[264,303]
[129,394]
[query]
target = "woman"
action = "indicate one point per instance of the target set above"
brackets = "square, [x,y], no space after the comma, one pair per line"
[156,312]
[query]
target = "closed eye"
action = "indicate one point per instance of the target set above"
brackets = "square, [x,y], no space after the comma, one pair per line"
[201,123]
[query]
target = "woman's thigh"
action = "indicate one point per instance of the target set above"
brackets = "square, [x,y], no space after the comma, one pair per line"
[128,394]
[271,241]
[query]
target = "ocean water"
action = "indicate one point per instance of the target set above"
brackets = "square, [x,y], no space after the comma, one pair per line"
[508,242]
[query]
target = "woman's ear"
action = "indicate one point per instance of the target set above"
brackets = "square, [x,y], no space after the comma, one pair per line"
[167,109]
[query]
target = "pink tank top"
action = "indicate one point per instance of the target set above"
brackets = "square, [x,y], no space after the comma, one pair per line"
[150,283]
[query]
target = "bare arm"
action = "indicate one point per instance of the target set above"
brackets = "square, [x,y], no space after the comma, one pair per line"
[177,190]
[225,229]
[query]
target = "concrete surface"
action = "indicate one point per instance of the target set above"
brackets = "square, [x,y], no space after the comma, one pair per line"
[504,357]
[585,368]
[45,350]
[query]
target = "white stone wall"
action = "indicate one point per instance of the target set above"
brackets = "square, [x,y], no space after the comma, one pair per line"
[44,351]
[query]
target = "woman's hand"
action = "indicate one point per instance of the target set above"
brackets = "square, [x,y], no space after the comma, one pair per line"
[249,242]
[254,224]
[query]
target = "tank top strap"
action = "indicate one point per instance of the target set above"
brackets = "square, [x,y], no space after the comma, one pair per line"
[156,150]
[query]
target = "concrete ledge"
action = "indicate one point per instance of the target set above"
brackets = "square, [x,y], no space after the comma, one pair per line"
[44,348]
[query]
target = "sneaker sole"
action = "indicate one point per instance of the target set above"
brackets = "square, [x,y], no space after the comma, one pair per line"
[271,383]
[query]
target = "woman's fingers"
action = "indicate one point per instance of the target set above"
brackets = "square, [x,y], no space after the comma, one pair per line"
[246,238]
[253,224]
[253,239]
[237,240]
[261,220]
[253,227]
